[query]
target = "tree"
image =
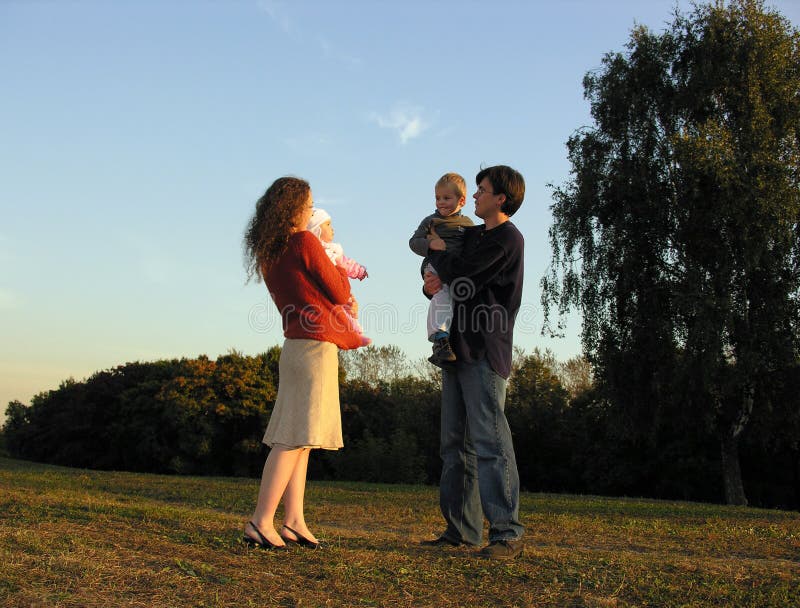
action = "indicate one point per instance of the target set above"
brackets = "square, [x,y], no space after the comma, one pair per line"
[678,235]
[373,364]
[535,408]
[182,416]
[17,422]
[575,375]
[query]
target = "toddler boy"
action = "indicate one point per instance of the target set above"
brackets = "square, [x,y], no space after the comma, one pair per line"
[448,224]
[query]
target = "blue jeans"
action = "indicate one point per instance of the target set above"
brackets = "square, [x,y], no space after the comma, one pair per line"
[479,470]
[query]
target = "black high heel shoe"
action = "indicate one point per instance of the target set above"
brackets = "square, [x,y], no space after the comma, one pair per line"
[300,540]
[262,541]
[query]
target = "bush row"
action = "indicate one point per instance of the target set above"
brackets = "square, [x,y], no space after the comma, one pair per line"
[207,417]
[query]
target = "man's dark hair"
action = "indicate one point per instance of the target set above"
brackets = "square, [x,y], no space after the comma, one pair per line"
[508,181]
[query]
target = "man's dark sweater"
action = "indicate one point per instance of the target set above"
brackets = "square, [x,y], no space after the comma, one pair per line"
[486,287]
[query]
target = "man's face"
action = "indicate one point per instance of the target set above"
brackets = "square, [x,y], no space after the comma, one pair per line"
[487,203]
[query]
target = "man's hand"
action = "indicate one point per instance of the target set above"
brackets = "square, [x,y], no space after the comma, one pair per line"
[432,283]
[435,243]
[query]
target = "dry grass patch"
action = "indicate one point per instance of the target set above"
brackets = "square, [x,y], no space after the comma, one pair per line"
[85,538]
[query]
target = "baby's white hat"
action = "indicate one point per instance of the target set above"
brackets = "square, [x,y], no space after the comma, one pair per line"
[319,217]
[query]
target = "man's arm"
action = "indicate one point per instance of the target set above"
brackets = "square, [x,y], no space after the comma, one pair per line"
[478,264]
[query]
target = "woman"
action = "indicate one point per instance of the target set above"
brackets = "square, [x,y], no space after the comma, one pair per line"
[313,297]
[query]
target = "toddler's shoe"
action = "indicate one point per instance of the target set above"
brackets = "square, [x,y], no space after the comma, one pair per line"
[443,355]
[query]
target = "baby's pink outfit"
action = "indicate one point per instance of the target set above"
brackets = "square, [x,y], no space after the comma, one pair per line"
[336,254]
[353,269]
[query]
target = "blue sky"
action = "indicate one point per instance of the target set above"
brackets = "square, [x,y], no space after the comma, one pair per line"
[135,138]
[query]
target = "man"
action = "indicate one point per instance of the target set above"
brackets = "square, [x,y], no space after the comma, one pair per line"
[479,469]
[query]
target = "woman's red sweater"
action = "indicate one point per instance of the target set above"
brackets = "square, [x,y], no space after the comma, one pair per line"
[310,293]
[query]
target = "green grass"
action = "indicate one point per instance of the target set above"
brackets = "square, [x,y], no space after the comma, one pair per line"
[72,537]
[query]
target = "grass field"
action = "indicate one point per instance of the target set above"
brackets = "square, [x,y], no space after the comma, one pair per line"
[73,537]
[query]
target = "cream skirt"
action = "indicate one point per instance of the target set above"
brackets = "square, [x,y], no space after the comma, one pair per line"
[306,412]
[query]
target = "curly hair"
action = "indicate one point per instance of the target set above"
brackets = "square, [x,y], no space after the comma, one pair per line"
[268,231]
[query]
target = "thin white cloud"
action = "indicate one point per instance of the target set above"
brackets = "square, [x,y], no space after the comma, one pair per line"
[332,52]
[405,120]
[277,12]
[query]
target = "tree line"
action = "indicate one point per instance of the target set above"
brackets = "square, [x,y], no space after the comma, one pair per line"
[206,417]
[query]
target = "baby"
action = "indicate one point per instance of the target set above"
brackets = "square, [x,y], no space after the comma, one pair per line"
[320,226]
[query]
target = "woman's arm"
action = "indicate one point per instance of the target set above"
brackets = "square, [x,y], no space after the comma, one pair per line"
[331,280]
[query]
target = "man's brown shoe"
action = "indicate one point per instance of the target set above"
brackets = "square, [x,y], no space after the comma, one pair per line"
[440,542]
[502,549]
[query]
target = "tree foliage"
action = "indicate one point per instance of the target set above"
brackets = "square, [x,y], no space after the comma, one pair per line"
[535,406]
[678,235]
[181,416]
[207,417]
[374,365]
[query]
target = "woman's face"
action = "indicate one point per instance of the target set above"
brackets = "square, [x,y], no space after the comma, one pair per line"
[301,221]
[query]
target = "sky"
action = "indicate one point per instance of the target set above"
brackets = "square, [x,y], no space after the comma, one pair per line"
[135,138]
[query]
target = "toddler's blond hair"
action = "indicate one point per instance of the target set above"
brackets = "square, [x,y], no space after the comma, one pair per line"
[455,180]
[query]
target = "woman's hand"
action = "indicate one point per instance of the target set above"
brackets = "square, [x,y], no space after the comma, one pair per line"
[352,306]
[432,283]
